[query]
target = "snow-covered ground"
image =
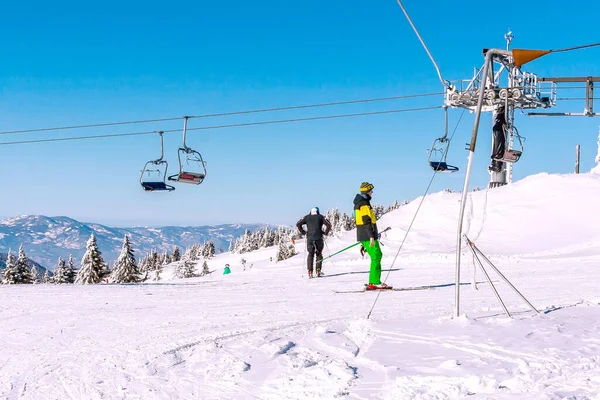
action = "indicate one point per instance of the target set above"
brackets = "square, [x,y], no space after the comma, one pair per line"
[271,333]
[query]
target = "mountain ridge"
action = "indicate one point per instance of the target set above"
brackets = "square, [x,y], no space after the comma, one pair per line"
[45,239]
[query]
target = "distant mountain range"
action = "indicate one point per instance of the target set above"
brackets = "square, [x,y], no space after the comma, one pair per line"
[45,239]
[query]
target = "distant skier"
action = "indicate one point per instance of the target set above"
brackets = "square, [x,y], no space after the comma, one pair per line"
[314,238]
[226,270]
[499,138]
[367,234]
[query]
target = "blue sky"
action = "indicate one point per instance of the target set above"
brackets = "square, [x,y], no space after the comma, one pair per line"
[71,63]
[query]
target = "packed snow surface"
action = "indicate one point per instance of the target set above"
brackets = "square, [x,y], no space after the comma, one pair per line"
[268,332]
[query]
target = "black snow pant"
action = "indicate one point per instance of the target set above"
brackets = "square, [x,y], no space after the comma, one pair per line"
[498,144]
[315,247]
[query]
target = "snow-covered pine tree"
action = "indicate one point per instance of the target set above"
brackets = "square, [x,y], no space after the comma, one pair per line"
[192,253]
[186,269]
[205,270]
[394,206]
[263,236]
[92,265]
[176,256]
[166,258]
[10,270]
[61,273]
[333,216]
[282,252]
[286,248]
[143,264]
[347,222]
[34,275]
[23,272]
[47,278]
[71,272]
[158,268]
[153,260]
[208,250]
[125,269]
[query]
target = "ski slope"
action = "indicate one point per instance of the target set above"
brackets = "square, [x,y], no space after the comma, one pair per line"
[271,333]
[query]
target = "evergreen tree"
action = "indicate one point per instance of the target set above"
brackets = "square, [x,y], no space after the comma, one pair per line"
[193,253]
[347,223]
[158,267]
[286,248]
[333,216]
[143,264]
[205,270]
[92,265]
[71,274]
[208,251]
[152,260]
[10,270]
[243,243]
[165,258]
[125,269]
[23,272]
[176,256]
[34,275]
[61,273]
[47,278]
[186,269]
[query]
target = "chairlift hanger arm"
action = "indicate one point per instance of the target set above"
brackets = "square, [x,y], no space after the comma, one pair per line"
[162,148]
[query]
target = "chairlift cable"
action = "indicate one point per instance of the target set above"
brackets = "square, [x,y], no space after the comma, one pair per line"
[444,82]
[575,47]
[577,98]
[281,121]
[264,110]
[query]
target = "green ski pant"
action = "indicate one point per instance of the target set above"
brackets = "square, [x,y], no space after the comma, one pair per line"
[376,255]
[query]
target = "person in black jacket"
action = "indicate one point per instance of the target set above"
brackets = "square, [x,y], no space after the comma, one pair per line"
[314,238]
[499,138]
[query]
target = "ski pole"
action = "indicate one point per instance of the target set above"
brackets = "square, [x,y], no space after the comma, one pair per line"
[344,249]
[352,245]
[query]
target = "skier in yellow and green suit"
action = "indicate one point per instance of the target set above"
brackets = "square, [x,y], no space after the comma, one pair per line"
[367,234]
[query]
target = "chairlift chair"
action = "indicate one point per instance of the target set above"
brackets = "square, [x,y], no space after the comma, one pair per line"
[441,146]
[513,155]
[160,167]
[189,155]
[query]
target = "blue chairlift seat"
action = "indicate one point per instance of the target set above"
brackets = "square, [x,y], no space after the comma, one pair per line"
[442,166]
[156,186]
